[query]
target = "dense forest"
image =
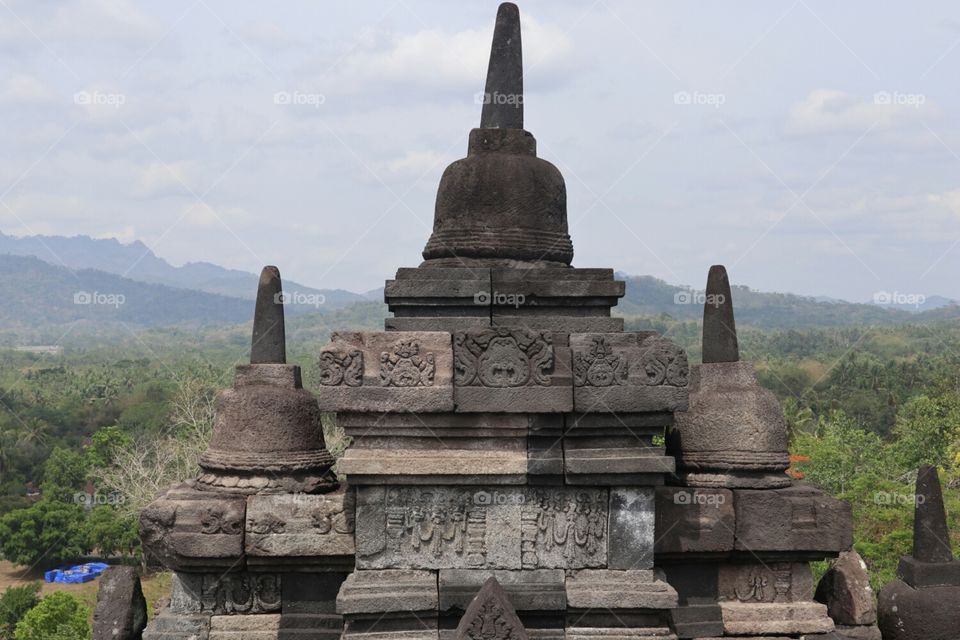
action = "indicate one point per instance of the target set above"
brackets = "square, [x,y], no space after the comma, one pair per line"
[89,435]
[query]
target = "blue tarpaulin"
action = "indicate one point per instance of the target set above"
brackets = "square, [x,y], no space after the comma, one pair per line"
[76,574]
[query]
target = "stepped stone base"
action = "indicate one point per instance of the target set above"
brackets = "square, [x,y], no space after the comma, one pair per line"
[752,618]
[256,627]
[614,633]
[178,626]
[697,621]
[858,632]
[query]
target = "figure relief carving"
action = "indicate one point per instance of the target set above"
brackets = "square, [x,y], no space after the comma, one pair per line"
[421,523]
[338,368]
[559,521]
[599,366]
[220,519]
[405,367]
[502,358]
[663,363]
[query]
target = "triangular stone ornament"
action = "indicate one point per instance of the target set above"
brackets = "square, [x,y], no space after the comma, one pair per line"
[490,616]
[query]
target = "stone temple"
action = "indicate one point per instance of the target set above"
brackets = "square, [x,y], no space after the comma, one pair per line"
[520,466]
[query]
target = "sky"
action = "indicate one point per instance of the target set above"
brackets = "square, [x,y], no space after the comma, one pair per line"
[812,147]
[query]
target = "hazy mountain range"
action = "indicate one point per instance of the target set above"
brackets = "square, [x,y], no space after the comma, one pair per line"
[51,285]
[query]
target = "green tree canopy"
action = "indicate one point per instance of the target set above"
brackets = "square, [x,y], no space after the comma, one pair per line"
[44,534]
[59,616]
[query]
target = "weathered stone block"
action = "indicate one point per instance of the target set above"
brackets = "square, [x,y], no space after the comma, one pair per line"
[173,626]
[261,627]
[697,621]
[481,528]
[387,371]
[920,574]
[531,590]
[438,299]
[121,611]
[614,460]
[797,519]
[845,589]
[300,530]
[858,632]
[512,370]
[388,591]
[379,460]
[760,582]
[631,528]
[764,618]
[691,520]
[312,626]
[187,529]
[906,613]
[628,372]
[619,633]
[606,589]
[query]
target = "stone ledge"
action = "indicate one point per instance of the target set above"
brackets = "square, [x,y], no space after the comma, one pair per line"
[388,590]
[610,589]
[751,618]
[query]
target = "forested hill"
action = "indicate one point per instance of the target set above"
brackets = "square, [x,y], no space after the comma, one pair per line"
[136,261]
[650,297]
[39,300]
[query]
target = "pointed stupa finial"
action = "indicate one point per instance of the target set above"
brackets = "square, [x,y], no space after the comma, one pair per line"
[719,330]
[503,95]
[269,344]
[931,538]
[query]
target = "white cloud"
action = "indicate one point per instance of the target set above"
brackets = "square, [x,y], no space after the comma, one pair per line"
[22,89]
[829,110]
[166,179]
[441,59]
[201,214]
[416,163]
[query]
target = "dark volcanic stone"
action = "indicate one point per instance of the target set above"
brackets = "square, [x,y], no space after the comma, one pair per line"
[931,538]
[490,612]
[269,336]
[503,97]
[121,612]
[906,613]
[845,589]
[719,329]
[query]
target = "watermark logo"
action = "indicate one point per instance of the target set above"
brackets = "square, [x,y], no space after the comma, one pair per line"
[96,499]
[300,298]
[108,299]
[894,499]
[897,98]
[499,299]
[699,98]
[699,498]
[898,298]
[491,498]
[299,98]
[495,97]
[99,98]
[690,296]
